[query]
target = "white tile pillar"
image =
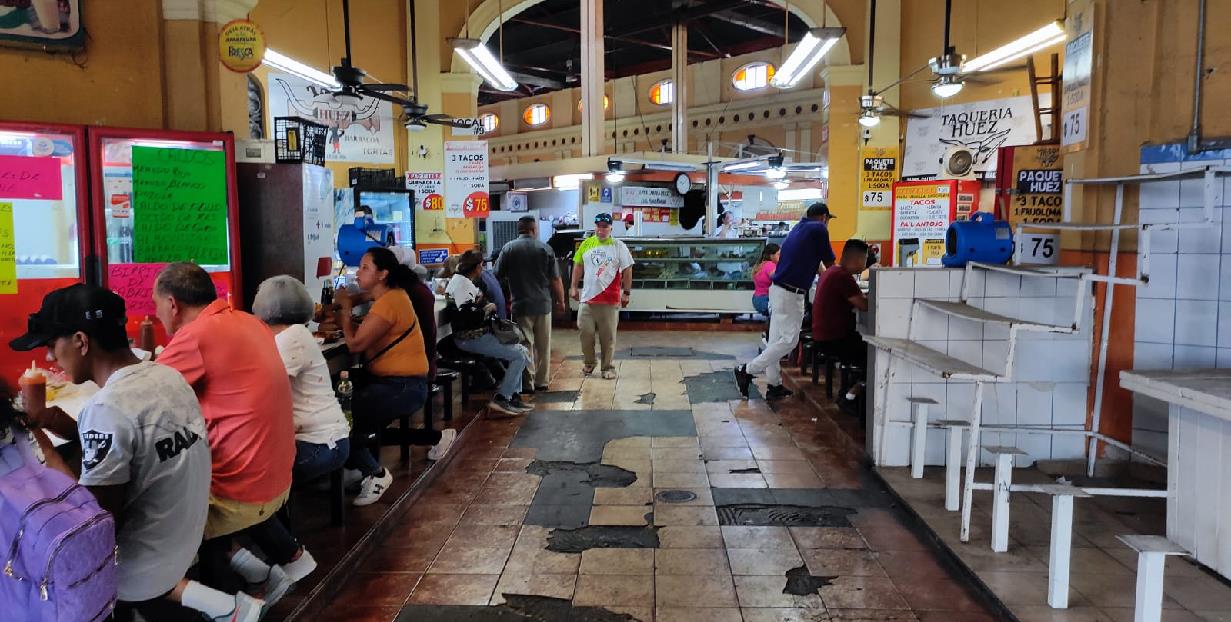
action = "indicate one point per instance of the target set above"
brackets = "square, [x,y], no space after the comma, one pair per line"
[679,77]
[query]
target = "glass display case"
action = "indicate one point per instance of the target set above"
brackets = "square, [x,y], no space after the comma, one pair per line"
[697,275]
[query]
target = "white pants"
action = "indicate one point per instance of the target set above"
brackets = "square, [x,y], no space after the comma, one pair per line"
[786,316]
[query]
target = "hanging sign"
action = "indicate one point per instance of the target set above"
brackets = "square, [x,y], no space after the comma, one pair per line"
[469,127]
[429,190]
[1033,191]
[359,130]
[241,45]
[876,176]
[8,251]
[983,127]
[25,177]
[179,205]
[650,196]
[1078,67]
[466,179]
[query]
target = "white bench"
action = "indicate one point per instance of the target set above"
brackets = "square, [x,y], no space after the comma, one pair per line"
[1061,545]
[919,433]
[1152,553]
[1000,494]
[953,462]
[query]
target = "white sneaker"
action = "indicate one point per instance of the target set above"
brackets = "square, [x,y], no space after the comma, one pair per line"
[372,488]
[300,568]
[247,609]
[276,586]
[447,436]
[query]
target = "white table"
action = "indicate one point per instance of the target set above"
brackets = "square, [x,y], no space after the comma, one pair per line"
[1198,457]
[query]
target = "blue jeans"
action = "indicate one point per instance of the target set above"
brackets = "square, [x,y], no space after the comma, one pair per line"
[515,355]
[375,406]
[313,460]
[761,304]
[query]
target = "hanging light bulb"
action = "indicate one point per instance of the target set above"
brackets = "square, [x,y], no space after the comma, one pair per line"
[947,86]
[869,118]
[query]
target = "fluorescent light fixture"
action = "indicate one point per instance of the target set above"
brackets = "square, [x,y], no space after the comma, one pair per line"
[481,60]
[775,173]
[811,49]
[285,63]
[1048,35]
[571,181]
[781,185]
[800,194]
[869,118]
[745,165]
[947,86]
[615,178]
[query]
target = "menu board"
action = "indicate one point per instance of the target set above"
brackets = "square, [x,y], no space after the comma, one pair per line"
[876,177]
[179,205]
[8,251]
[465,179]
[25,177]
[134,282]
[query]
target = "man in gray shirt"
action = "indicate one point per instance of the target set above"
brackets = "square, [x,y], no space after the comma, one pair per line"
[529,268]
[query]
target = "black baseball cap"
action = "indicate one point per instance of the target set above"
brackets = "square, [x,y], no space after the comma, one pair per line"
[602,218]
[818,209]
[95,311]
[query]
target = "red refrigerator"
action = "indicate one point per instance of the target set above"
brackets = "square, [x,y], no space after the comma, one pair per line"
[44,225]
[161,196]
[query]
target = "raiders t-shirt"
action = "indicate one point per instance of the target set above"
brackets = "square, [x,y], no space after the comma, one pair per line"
[144,429]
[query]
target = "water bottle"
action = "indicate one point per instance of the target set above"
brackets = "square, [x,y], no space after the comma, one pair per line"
[345,391]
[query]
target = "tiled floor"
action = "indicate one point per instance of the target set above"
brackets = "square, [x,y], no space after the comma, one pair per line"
[470,541]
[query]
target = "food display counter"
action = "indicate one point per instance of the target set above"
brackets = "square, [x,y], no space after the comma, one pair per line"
[693,275]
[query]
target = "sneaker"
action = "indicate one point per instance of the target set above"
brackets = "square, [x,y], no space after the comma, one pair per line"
[742,379]
[247,609]
[275,587]
[520,404]
[299,569]
[373,487]
[609,374]
[439,449]
[777,392]
[501,405]
[541,387]
[586,370]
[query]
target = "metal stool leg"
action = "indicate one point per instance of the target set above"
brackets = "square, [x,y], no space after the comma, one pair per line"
[447,399]
[337,498]
[404,436]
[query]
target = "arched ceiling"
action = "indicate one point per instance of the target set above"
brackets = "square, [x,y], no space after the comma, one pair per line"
[541,43]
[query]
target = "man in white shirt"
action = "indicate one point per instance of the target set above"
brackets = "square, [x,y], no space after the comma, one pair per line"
[602,282]
[144,454]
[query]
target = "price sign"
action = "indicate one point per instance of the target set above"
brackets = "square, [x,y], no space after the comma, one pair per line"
[465,179]
[477,205]
[1073,127]
[876,177]
[1039,248]
[876,198]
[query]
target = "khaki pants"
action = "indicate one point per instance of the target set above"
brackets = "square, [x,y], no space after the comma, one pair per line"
[227,517]
[538,331]
[602,319]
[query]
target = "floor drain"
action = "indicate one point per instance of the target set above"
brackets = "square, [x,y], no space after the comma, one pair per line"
[676,496]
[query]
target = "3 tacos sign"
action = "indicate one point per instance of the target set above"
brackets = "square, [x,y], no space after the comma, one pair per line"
[360,131]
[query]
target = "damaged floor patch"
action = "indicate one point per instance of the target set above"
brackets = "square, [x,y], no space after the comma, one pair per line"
[646,398]
[597,475]
[556,397]
[760,515]
[716,386]
[517,608]
[800,583]
[661,352]
[602,537]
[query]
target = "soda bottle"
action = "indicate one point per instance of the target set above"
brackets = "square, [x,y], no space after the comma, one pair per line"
[345,391]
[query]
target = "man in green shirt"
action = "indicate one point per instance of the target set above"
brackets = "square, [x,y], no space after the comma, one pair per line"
[602,282]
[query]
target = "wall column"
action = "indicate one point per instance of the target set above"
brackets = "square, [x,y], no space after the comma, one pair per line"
[593,76]
[201,93]
[842,89]
[679,78]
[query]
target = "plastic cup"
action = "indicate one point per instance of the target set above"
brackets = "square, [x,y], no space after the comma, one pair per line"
[33,385]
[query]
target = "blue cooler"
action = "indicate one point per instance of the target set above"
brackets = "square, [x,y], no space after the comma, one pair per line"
[982,238]
[355,239]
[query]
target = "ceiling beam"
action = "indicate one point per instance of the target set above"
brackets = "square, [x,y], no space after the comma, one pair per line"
[620,38]
[686,15]
[533,80]
[751,23]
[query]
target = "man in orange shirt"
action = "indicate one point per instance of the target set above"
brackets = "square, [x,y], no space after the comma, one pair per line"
[232,362]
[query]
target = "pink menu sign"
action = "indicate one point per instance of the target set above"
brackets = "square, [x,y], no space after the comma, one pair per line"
[134,282]
[24,177]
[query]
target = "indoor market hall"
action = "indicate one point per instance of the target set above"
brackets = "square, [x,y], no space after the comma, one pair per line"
[615,311]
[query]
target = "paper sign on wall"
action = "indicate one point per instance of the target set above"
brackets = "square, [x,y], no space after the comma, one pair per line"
[982,126]
[466,179]
[8,251]
[1078,66]
[134,282]
[429,190]
[876,176]
[26,177]
[360,130]
[179,205]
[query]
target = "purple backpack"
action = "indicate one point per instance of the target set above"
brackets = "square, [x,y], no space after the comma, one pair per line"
[57,545]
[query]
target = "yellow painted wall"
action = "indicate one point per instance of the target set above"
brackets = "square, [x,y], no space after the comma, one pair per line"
[117,80]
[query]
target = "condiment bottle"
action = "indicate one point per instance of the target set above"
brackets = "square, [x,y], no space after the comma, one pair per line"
[33,383]
[145,340]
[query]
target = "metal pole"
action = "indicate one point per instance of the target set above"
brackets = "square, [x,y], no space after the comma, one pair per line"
[711,190]
[1105,333]
[972,462]
[1194,134]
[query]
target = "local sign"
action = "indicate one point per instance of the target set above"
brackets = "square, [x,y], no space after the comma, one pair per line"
[241,46]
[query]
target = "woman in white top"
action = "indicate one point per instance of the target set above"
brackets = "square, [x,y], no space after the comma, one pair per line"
[728,226]
[321,431]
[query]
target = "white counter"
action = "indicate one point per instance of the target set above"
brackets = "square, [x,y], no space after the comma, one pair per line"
[1198,457]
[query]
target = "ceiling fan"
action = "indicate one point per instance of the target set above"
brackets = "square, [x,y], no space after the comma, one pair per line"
[353,88]
[872,106]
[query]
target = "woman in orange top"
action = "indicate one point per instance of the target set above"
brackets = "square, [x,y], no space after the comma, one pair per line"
[392,343]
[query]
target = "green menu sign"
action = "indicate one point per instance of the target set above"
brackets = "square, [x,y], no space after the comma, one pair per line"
[179,206]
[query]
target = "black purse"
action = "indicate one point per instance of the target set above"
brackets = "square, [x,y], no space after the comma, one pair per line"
[360,375]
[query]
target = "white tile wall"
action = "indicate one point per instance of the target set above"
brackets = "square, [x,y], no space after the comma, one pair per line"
[1196,322]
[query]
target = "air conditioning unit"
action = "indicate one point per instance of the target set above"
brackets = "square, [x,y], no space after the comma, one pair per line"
[958,163]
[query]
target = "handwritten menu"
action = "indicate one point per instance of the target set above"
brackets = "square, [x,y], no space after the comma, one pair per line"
[179,205]
[26,177]
[134,282]
[8,251]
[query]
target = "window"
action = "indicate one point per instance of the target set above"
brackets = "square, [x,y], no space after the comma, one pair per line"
[753,76]
[536,115]
[663,92]
[606,104]
[489,122]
